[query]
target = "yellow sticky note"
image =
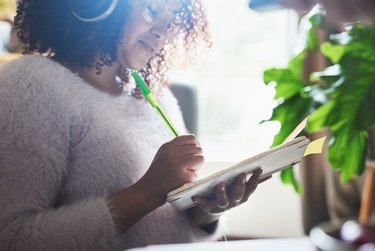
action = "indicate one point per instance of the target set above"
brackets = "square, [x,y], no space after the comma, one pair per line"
[315,146]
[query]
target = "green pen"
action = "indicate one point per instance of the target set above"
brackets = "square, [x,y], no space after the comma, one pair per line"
[152,100]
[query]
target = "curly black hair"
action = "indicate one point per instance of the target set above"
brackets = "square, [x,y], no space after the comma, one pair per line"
[48,27]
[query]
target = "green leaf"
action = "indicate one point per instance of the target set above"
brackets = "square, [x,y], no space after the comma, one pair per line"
[288,89]
[288,177]
[290,113]
[317,20]
[313,41]
[348,153]
[318,119]
[366,114]
[275,75]
[333,52]
[296,65]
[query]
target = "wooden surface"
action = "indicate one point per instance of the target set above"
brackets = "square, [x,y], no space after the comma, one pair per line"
[367,200]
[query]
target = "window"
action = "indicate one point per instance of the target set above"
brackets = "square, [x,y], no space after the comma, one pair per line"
[229,77]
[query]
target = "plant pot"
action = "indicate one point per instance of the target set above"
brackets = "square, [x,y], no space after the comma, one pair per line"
[320,194]
[327,236]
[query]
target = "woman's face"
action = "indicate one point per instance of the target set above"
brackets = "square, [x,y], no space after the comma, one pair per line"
[146,31]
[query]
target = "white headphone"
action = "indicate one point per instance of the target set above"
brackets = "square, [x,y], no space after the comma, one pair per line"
[92,11]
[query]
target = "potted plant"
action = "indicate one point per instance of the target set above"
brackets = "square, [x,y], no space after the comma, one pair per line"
[349,112]
[340,98]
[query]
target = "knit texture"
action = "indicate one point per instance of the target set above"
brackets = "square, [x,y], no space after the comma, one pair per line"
[64,147]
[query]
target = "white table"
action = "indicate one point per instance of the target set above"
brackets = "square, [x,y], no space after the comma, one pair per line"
[279,244]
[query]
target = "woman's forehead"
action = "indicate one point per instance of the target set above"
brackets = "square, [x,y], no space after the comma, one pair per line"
[173,5]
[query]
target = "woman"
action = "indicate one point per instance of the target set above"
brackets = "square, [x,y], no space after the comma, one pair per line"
[83,159]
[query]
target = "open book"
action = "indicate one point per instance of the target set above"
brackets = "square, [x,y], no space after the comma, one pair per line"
[271,161]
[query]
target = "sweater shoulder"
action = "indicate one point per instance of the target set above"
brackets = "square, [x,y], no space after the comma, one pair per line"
[40,94]
[35,74]
[36,80]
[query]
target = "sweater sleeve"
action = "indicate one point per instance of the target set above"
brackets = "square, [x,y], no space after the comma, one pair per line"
[34,151]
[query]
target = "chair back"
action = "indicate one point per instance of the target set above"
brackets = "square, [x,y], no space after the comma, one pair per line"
[187,98]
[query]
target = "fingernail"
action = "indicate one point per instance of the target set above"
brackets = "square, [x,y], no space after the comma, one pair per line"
[194,200]
[222,188]
[243,181]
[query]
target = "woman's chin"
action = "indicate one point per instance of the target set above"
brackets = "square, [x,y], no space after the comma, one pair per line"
[136,64]
[139,64]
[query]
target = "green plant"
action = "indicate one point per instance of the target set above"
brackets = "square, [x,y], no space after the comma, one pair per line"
[340,98]
[293,103]
[350,110]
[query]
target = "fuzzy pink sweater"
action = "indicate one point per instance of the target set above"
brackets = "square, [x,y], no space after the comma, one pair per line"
[64,147]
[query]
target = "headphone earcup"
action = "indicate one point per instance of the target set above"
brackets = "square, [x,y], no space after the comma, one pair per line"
[92,10]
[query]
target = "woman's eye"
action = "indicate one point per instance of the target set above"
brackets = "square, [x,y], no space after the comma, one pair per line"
[149,14]
[152,11]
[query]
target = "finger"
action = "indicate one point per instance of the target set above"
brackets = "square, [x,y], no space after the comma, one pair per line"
[190,149]
[193,160]
[189,175]
[195,168]
[221,196]
[204,204]
[252,184]
[256,175]
[239,189]
[265,178]
[188,139]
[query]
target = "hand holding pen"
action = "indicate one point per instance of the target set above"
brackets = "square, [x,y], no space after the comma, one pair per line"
[176,161]
[173,166]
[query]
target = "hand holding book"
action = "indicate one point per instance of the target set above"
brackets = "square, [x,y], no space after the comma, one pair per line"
[270,161]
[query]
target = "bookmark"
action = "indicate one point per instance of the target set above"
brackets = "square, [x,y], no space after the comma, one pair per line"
[315,146]
[296,131]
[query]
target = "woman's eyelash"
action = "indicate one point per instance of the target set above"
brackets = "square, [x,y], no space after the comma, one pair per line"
[152,11]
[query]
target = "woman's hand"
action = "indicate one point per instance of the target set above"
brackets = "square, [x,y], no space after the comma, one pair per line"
[227,197]
[174,165]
